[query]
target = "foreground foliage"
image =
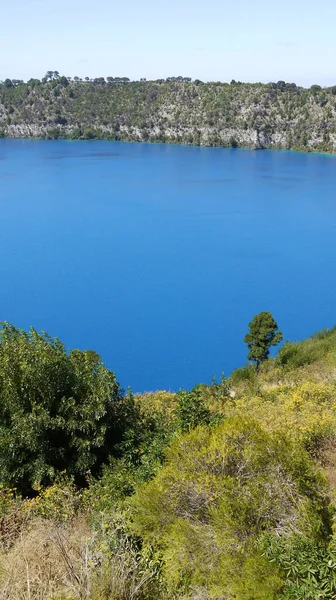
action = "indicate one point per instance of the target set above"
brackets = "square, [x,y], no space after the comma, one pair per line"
[219,492]
[58,411]
[224,492]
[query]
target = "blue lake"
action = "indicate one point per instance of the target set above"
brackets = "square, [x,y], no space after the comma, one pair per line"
[158,256]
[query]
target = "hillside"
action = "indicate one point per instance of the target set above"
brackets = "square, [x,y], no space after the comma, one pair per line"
[223,492]
[275,115]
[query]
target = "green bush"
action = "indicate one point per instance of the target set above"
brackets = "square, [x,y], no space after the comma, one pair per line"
[244,374]
[295,355]
[216,496]
[190,409]
[310,568]
[59,411]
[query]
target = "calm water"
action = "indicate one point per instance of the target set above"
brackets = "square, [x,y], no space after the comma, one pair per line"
[158,256]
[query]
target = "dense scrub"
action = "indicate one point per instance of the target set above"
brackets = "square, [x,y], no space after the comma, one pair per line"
[223,492]
[275,115]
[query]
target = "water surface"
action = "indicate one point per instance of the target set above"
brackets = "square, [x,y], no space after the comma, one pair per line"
[157,256]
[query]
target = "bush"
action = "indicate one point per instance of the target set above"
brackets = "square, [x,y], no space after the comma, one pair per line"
[219,492]
[190,409]
[310,568]
[295,355]
[244,374]
[58,411]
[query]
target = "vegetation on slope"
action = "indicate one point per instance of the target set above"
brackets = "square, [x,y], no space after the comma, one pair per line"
[223,492]
[176,110]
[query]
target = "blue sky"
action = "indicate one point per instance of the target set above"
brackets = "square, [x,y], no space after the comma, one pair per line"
[247,40]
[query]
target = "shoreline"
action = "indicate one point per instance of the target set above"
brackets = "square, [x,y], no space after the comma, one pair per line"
[160,143]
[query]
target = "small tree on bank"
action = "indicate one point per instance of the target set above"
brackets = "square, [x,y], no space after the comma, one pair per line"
[263,333]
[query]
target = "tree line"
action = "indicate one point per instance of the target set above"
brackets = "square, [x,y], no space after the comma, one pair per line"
[55,76]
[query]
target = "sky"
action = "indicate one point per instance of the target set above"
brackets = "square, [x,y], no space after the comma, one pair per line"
[213,40]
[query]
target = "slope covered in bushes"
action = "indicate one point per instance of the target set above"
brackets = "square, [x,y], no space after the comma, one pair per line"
[226,491]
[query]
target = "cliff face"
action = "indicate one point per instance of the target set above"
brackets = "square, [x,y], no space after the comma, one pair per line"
[213,114]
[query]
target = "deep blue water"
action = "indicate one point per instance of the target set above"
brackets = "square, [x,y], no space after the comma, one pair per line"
[157,256]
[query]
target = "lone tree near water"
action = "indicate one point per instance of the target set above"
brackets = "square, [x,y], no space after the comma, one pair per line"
[263,334]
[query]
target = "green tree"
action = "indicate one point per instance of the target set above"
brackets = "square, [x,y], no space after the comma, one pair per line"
[63,81]
[33,82]
[59,411]
[263,334]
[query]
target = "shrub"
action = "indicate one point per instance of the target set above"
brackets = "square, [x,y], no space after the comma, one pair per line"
[310,568]
[190,409]
[295,355]
[212,502]
[58,411]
